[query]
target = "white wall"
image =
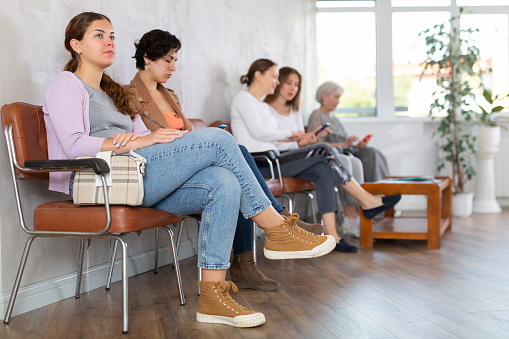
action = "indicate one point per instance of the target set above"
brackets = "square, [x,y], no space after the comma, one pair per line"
[220,40]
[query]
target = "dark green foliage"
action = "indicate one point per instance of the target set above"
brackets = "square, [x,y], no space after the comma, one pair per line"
[452,57]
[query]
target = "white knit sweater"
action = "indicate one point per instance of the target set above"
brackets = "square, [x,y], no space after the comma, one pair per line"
[253,125]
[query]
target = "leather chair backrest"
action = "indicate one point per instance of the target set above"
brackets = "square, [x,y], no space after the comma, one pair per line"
[197,124]
[29,134]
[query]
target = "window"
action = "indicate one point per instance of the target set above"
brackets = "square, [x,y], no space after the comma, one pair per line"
[345,3]
[493,42]
[481,2]
[373,50]
[354,69]
[412,94]
[420,3]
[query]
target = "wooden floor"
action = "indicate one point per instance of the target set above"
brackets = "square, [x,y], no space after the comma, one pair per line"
[397,289]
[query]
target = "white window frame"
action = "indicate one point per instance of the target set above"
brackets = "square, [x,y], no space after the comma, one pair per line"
[383,15]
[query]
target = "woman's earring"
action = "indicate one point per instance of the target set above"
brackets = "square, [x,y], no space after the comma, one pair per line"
[147,66]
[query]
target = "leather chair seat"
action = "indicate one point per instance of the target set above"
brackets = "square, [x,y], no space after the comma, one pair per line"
[65,216]
[292,185]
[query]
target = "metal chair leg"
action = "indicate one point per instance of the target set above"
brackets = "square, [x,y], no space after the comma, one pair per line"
[112,264]
[125,300]
[254,241]
[79,270]
[290,205]
[15,288]
[311,200]
[177,267]
[199,279]
[156,252]
[179,237]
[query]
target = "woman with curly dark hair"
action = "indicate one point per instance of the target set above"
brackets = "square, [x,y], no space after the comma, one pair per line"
[156,55]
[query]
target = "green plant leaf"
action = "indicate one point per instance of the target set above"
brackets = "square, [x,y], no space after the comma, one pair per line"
[497,109]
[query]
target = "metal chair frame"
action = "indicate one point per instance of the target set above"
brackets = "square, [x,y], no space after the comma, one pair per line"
[101,168]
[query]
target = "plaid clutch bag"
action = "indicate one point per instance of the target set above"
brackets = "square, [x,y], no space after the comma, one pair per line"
[125,181]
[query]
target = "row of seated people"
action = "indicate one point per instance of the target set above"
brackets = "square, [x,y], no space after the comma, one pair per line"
[276,124]
[203,171]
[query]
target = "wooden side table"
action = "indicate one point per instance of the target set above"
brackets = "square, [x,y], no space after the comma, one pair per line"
[430,228]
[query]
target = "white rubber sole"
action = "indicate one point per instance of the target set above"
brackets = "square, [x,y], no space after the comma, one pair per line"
[248,320]
[326,247]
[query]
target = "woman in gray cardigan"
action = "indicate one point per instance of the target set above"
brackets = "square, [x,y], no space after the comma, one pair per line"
[374,162]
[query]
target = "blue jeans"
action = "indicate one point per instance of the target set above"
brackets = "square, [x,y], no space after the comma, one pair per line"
[243,240]
[204,171]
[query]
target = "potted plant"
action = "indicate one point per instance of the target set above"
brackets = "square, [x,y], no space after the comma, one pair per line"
[488,139]
[451,55]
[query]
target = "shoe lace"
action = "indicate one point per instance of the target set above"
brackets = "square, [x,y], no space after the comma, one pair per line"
[297,231]
[224,287]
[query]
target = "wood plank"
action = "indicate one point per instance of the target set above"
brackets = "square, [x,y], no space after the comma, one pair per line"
[437,311]
[83,317]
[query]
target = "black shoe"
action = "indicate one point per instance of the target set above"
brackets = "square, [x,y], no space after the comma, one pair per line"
[343,246]
[388,202]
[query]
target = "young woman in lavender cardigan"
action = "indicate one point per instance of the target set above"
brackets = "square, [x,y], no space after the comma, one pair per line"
[186,172]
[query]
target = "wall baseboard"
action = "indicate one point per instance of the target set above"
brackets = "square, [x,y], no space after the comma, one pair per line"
[50,291]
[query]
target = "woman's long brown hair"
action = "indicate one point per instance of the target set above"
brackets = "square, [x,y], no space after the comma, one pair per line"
[123,99]
[284,73]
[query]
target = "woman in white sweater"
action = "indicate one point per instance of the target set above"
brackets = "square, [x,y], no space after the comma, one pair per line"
[256,128]
[284,105]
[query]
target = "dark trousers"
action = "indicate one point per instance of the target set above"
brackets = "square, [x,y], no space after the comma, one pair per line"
[243,240]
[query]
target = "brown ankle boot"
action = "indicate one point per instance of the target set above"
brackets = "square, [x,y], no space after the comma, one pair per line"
[245,273]
[216,306]
[289,241]
[313,228]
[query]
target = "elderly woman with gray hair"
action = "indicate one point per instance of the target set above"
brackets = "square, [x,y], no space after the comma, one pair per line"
[373,161]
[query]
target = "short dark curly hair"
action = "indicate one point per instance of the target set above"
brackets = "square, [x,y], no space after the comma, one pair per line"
[154,45]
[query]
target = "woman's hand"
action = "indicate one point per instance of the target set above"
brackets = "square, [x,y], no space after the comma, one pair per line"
[164,135]
[322,133]
[350,141]
[122,139]
[297,135]
[361,144]
[307,139]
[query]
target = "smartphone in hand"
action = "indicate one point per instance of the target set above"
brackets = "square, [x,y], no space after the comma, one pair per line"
[324,126]
[367,137]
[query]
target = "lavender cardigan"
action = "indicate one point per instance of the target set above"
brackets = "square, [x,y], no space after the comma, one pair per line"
[66,114]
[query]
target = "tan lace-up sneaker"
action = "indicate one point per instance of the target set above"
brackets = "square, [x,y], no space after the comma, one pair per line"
[216,306]
[289,241]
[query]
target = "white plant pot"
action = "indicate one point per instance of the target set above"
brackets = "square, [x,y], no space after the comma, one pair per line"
[462,204]
[485,201]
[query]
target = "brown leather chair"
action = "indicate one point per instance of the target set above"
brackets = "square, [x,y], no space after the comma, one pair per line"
[25,136]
